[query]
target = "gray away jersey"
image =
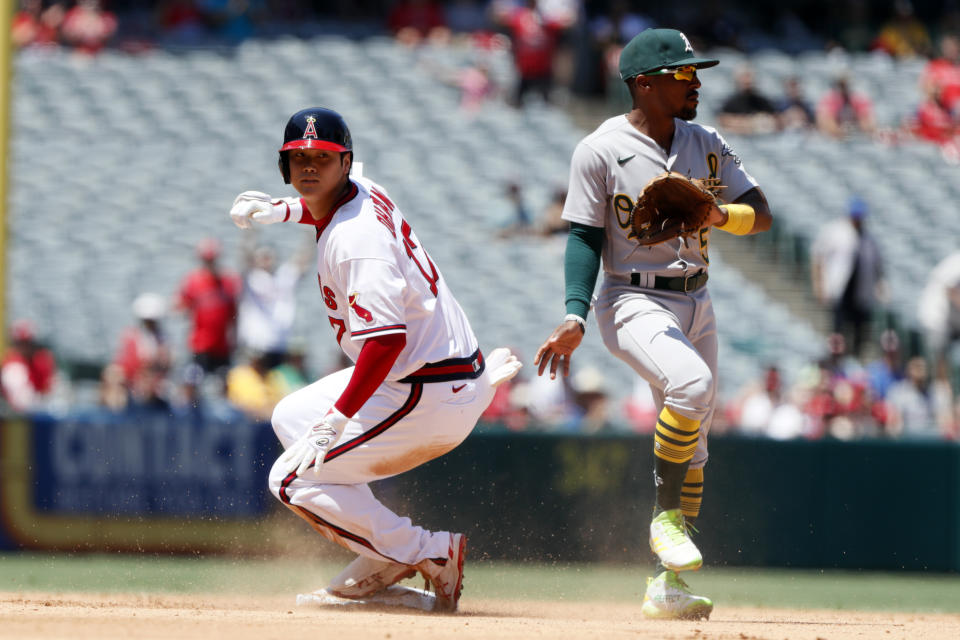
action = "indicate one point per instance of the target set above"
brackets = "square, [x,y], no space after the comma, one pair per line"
[611,166]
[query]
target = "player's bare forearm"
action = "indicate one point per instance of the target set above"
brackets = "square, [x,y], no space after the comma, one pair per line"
[558,349]
[758,201]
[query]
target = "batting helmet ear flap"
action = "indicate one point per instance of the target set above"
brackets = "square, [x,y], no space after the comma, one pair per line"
[284,163]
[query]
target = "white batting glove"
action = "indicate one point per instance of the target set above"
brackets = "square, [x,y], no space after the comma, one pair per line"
[253,195]
[312,447]
[256,206]
[242,212]
[503,365]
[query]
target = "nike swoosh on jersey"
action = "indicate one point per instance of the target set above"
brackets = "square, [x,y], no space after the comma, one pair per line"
[457,389]
[623,161]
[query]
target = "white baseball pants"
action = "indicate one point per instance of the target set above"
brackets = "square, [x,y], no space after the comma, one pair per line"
[402,426]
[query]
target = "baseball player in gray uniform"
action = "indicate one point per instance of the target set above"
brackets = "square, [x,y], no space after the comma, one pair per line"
[652,307]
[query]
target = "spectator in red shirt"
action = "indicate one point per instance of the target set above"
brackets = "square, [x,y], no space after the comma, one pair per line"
[842,111]
[534,37]
[87,27]
[28,370]
[505,410]
[943,74]
[34,26]
[143,355]
[413,20]
[181,22]
[932,120]
[210,295]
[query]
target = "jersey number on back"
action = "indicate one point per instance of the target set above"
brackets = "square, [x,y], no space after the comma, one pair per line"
[384,208]
[433,277]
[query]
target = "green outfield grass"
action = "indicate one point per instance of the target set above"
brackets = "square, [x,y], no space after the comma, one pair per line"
[484,579]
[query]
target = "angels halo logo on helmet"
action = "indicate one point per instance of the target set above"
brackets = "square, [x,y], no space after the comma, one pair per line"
[313,128]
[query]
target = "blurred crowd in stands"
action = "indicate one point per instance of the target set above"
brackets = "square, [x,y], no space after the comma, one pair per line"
[840,396]
[243,356]
[844,111]
[564,47]
[892,396]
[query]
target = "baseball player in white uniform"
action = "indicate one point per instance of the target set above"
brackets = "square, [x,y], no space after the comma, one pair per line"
[652,308]
[938,311]
[419,384]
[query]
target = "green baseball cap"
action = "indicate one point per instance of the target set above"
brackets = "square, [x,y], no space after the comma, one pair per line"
[654,49]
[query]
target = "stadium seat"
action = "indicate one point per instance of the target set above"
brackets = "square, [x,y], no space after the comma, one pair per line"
[156,145]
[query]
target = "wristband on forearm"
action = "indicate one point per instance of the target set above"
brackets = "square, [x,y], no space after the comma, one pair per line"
[291,208]
[740,219]
[580,321]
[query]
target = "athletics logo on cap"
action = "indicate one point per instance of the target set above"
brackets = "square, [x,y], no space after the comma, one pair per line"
[657,49]
[311,130]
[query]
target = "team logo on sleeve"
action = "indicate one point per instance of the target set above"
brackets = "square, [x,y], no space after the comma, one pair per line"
[363,314]
[727,152]
[311,130]
[712,181]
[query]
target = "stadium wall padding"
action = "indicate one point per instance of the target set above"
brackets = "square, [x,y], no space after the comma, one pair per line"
[818,504]
[143,481]
[167,484]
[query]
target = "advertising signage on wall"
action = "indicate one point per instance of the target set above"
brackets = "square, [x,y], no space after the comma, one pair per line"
[133,481]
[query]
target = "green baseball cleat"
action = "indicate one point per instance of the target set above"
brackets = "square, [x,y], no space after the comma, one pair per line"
[669,540]
[669,598]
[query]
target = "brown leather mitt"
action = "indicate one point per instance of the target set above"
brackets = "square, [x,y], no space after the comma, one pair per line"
[671,206]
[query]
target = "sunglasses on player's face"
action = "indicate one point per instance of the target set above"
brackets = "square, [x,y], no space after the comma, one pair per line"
[680,73]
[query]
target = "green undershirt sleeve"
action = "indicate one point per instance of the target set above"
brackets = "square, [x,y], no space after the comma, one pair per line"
[581,264]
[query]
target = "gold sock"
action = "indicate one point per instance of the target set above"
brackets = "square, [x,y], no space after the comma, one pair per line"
[691,495]
[676,437]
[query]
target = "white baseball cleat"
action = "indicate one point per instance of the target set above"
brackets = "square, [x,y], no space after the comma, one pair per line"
[503,365]
[669,540]
[445,575]
[365,576]
[393,596]
[669,598]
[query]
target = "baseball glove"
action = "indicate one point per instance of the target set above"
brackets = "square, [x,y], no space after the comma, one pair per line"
[671,206]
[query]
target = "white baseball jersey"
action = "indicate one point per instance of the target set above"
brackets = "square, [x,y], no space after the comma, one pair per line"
[377,279]
[611,166]
[939,307]
[267,308]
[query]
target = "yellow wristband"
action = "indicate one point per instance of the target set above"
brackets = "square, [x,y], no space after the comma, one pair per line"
[740,219]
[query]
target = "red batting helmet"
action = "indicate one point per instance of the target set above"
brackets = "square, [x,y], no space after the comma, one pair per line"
[313,128]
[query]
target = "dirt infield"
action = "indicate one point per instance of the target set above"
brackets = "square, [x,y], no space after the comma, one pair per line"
[36,616]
